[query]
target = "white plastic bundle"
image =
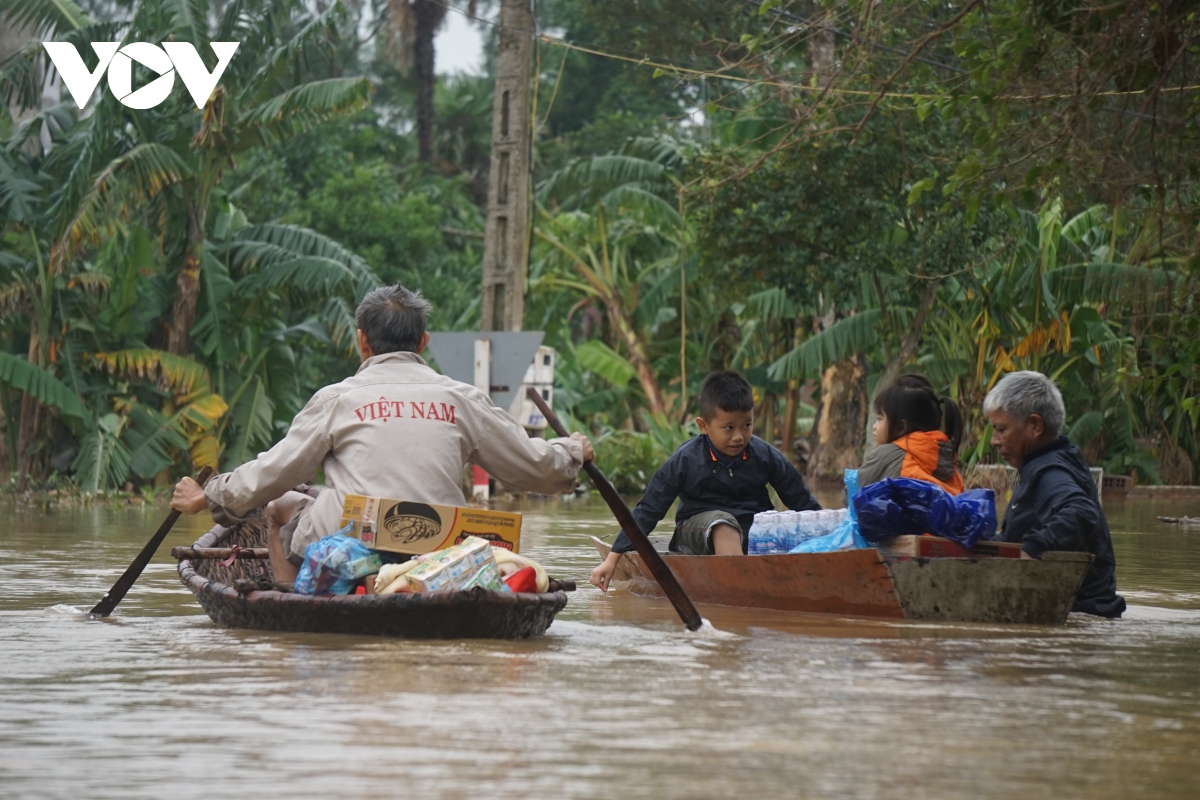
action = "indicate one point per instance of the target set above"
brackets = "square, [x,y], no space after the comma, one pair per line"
[780,531]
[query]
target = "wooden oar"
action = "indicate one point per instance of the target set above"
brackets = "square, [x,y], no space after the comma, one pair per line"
[650,557]
[119,589]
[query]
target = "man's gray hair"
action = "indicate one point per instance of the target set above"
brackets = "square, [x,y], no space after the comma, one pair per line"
[1020,394]
[393,318]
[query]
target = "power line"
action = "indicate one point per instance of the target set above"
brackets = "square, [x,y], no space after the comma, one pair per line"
[646,61]
[718,75]
[674,68]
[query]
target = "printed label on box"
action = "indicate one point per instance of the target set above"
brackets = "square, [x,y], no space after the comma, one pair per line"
[405,526]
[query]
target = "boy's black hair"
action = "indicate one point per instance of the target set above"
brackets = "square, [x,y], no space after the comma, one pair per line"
[912,405]
[727,391]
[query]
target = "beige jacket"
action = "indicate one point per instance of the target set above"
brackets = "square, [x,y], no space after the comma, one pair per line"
[395,429]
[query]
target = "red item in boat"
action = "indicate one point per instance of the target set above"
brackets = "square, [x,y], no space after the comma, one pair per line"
[524,580]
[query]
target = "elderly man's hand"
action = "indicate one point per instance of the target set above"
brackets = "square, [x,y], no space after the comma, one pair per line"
[188,497]
[588,453]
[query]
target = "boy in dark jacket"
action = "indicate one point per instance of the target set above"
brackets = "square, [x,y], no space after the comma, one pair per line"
[720,478]
[1055,506]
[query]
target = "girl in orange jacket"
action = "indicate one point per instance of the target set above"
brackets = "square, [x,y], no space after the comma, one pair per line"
[917,435]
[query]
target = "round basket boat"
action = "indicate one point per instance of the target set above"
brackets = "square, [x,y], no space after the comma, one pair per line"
[473,614]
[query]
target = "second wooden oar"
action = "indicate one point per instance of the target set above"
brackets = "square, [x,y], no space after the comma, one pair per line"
[124,583]
[641,542]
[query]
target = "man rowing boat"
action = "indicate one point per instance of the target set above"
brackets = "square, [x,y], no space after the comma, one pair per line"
[395,428]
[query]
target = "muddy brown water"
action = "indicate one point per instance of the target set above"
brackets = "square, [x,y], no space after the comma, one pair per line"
[617,700]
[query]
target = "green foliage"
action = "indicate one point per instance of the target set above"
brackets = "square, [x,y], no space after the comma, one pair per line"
[683,223]
[252,425]
[630,458]
[463,135]
[18,373]
[368,211]
[596,356]
[154,441]
[597,103]
[843,339]
[112,221]
[404,224]
[103,460]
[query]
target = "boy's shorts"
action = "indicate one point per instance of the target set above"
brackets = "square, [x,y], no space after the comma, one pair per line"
[694,534]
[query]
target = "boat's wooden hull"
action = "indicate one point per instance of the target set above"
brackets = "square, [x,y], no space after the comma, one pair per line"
[1030,592]
[474,614]
[862,583]
[854,583]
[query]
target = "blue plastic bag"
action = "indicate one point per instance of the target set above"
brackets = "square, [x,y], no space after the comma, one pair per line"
[333,565]
[845,536]
[910,507]
[975,515]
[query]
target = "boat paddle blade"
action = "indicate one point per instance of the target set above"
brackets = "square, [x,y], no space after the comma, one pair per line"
[650,557]
[119,589]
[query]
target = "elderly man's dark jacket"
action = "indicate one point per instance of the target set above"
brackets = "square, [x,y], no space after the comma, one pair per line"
[1055,507]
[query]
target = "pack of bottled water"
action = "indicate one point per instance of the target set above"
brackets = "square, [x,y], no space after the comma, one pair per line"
[780,531]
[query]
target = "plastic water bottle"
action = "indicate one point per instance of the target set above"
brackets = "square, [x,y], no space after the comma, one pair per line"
[759,534]
[776,533]
[799,528]
[781,531]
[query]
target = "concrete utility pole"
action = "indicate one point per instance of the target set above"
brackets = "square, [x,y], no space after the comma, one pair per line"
[505,247]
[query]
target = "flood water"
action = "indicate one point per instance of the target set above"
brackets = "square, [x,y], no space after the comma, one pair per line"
[617,700]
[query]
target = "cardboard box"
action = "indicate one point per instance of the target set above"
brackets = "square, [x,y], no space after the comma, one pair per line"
[403,526]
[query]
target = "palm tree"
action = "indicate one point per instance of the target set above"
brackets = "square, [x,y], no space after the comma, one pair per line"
[464,135]
[409,29]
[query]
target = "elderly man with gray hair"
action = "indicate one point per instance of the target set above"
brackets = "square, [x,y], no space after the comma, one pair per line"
[1055,506]
[395,428]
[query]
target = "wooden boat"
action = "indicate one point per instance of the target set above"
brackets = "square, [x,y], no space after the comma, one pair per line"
[909,580]
[229,592]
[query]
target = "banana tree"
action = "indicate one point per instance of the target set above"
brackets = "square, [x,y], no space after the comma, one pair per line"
[37,292]
[591,257]
[147,437]
[266,290]
[279,287]
[164,164]
[74,206]
[1067,300]
[609,235]
[770,324]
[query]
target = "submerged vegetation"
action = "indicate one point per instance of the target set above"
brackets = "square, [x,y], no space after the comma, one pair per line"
[820,195]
